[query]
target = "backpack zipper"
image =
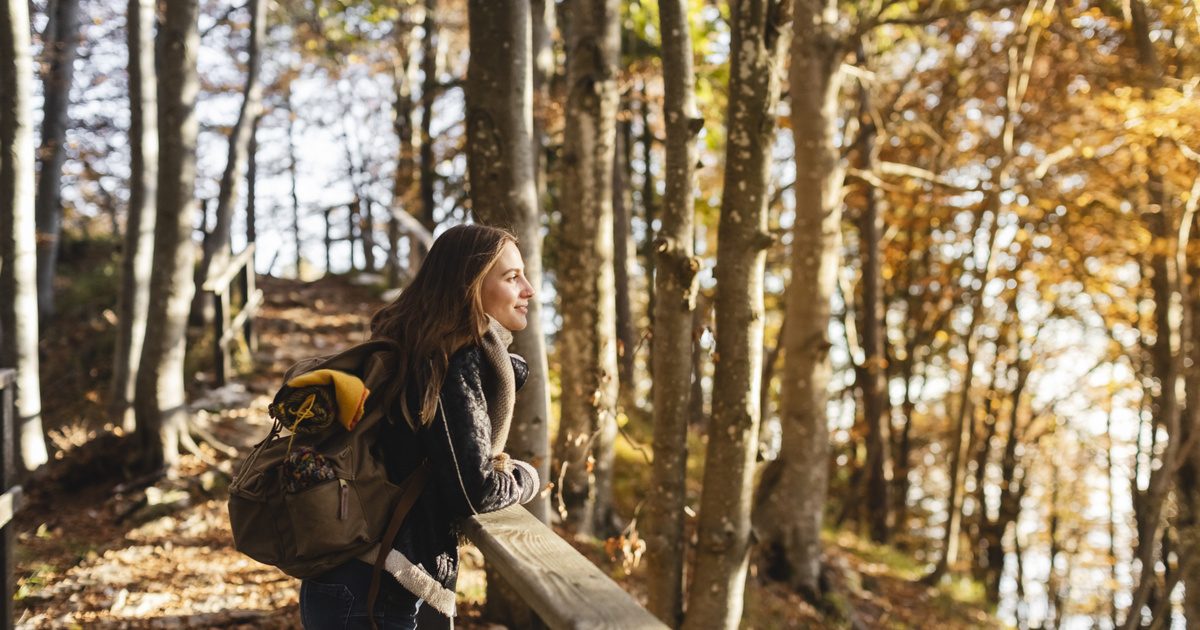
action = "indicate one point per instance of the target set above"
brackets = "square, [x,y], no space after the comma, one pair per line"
[343,499]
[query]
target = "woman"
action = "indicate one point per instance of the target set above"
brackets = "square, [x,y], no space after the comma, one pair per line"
[455,393]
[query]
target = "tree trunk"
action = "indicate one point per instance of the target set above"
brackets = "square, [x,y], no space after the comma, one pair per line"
[623,252]
[900,475]
[759,39]
[61,40]
[649,207]
[588,427]
[404,76]
[291,138]
[1166,354]
[429,87]
[873,384]
[1053,592]
[503,182]
[790,517]
[672,321]
[544,68]
[328,241]
[139,224]
[160,400]
[1187,477]
[252,189]
[18,258]
[1110,486]
[217,247]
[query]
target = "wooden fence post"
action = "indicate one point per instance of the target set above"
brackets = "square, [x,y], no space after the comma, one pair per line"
[238,273]
[10,500]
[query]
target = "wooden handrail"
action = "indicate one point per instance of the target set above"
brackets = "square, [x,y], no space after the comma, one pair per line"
[220,283]
[558,583]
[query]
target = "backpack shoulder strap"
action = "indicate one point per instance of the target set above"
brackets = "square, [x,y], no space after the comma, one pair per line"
[413,486]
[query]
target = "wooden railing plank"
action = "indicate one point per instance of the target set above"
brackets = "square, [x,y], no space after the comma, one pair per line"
[560,584]
[220,283]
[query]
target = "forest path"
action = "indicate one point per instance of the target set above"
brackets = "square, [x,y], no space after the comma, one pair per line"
[95,553]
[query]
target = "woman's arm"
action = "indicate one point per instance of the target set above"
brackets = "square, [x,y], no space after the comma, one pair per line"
[459,441]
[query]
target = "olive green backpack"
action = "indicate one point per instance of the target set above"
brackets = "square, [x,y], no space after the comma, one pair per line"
[344,505]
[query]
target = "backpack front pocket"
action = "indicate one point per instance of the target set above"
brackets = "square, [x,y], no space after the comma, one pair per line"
[327,517]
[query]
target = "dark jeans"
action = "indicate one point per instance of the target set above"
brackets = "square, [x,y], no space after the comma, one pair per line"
[338,599]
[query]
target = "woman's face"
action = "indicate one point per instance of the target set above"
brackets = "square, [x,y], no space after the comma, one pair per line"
[506,292]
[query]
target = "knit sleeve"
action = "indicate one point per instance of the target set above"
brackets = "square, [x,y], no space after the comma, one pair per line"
[459,443]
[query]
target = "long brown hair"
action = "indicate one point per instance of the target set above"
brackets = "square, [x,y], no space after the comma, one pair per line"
[439,312]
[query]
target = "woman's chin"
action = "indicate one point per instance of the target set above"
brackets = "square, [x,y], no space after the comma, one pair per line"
[518,322]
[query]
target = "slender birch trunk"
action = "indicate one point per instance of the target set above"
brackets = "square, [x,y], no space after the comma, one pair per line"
[429,86]
[789,518]
[502,169]
[623,253]
[760,33]
[672,338]
[404,72]
[18,258]
[160,400]
[293,181]
[588,352]
[501,165]
[139,224]
[874,384]
[61,46]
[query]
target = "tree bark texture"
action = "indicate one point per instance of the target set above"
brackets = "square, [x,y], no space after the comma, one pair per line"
[501,164]
[872,380]
[503,190]
[217,246]
[293,181]
[623,253]
[649,202]
[139,224]
[588,428]
[1180,466]
[61,45]
[18,257]
[544,69]
[672,337]
[429,88]
[252,188]
[789,517]
[404,71]
[160,400]
[760,32]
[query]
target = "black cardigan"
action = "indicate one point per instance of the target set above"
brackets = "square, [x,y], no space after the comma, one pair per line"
[463,480]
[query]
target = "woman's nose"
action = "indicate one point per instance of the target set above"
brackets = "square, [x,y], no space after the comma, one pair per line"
[527,289]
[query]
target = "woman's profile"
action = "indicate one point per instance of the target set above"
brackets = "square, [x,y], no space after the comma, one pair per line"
[453,394]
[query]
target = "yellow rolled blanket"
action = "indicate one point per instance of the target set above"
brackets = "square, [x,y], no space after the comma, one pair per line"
[349,390]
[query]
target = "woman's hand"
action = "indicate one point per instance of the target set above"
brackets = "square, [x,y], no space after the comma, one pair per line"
[527,477]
